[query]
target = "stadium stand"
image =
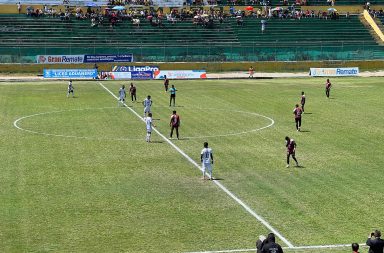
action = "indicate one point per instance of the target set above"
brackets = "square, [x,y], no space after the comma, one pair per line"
[344,38]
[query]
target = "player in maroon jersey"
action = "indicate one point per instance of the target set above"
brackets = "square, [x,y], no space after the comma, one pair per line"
[132,91]
[327,88]
[166,83]
[297,112]
[302,102]
[291,149]
[174,124]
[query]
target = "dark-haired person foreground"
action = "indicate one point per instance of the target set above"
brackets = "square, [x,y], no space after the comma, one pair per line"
[270,246]
[375,243]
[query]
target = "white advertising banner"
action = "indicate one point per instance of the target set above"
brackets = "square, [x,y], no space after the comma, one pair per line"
[180,74]
[334,71]
[59,59]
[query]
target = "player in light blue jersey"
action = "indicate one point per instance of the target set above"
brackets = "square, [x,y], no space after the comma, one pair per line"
[149,124]
[206,158]
[122,95]
[147,103]
[70,89]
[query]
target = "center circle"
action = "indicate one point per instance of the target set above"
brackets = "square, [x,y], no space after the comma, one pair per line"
[111,120]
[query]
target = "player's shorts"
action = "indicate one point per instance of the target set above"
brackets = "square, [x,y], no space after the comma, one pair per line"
[207,166]
[147,109]
[291,153]
[173,95]
[122,99]
[149,130]
[69,91]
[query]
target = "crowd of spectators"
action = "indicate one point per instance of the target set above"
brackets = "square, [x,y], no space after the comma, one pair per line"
[205,18]
[130,2]
[376,13]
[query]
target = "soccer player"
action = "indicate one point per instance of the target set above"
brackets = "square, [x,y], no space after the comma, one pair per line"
[70,89]
[174,124]
[327,88]
[147,105]
[206,158]
[166,83]
[297,112]
[132,91]
[149,124]
[302,100]
[251,71]
[172,90]
[122,96]
[291,149]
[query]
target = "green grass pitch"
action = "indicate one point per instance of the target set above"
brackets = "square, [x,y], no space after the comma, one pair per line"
[81,178]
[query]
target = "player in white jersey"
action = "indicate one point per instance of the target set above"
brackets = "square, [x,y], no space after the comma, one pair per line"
[70,89]
[148,125]
[207,160]
[147,105]
[122,95]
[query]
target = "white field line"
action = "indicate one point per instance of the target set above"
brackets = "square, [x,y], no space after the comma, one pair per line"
[222,187]
[17,121]
[285,248]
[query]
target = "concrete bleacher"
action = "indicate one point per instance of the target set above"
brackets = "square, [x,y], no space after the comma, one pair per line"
[285,39]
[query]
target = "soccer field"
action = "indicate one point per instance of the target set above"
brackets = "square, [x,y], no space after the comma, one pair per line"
[78,176]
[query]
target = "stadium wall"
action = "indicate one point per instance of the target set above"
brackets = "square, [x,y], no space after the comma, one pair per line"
[213,67]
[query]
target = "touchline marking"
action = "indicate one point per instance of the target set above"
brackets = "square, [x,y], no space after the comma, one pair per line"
[285,248]
[222,187]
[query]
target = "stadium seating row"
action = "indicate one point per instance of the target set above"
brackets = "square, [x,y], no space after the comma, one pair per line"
[306,39]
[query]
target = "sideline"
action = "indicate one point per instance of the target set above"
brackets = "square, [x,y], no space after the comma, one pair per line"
[221,186]
[362,245]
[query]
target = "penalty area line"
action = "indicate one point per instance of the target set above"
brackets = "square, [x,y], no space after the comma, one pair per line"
[220,185]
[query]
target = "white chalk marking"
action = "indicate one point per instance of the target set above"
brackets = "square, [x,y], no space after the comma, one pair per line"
[222,187]
[362,245]
[17,121]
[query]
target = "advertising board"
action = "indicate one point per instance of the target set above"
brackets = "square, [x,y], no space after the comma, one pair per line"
[334,71]
[180,74]
[70,73]
[88,58]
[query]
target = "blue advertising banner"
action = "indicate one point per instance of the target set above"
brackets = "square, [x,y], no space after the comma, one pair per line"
[134,68]
[108,58]
[70,73]
[141,75]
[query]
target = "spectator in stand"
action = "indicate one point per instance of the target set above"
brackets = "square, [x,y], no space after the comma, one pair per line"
[19,7]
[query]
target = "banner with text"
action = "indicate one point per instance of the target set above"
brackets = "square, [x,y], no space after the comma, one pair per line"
[70,73]
[135,68]
[88,58]
[334,71]
[180,74]
[108,58]
[136,75]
